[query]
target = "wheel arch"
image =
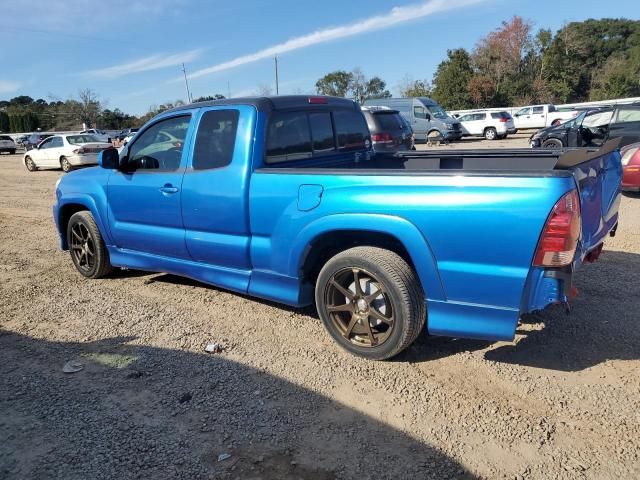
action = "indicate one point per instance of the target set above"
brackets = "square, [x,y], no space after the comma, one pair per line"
[71,206]
[328,236]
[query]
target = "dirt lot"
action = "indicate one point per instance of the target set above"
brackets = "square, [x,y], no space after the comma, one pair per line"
[283,400]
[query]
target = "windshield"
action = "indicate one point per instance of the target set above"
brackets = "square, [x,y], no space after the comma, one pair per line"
[78,139]
[437,111]
[575,122]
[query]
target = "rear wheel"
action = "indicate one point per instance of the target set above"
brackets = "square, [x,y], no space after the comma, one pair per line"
[552,143]
[12,152]
[86,246]
[31,166]
[65,165]
[371,302]
[490,133]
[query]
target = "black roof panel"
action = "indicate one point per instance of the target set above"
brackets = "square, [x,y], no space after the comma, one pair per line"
[272,103]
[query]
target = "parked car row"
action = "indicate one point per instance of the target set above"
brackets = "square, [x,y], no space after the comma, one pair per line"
[592,128]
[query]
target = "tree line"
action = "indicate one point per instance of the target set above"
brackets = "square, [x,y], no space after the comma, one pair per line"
[515,65]
[24,114]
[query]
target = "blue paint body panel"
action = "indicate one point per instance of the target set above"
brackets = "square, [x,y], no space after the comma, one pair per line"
[249,228]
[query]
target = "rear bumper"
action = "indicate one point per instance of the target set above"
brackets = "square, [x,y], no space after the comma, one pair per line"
[80,160]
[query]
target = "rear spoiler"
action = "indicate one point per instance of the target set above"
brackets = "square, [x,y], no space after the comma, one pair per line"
[571,158]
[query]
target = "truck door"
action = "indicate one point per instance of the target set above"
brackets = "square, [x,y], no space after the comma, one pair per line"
[144,199]
[522,118]
[215,193]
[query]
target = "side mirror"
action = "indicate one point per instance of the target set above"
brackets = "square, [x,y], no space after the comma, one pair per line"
[427,116]
[109,159]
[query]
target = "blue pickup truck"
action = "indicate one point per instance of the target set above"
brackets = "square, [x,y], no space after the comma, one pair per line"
[284,198]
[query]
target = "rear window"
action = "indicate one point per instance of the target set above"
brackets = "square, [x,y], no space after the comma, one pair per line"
[216,139]
[304,134]
[78,139]
[322,132]
[500,115]
[288,137]
[388,121]
[351,130]
[6,137]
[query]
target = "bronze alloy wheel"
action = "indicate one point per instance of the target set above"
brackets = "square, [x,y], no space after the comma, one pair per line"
[83,248]
[359,307]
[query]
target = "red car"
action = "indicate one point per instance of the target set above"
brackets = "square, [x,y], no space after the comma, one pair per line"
[631,167]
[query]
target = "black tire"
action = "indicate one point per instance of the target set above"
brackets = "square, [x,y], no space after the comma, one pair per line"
[65,165]
[13,152]
[490,133]
[86,246]
[386,274]
[31,166]
[552,143]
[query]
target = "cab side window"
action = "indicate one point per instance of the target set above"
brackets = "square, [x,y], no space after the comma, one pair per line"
[160,146]
[216,139]
[538,110]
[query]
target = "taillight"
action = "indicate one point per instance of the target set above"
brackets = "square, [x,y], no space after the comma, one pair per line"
[79,151]
[559,239]
[503,120]
[318,100]
[382,137]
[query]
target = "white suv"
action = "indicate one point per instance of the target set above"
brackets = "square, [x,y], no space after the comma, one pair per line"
[7,144]
[490,125]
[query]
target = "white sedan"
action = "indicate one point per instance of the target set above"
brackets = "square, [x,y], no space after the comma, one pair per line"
[65,151]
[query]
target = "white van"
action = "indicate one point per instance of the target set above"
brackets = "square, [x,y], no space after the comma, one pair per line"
[424,115]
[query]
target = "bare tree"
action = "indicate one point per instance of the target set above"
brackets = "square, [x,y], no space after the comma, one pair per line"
[264,90]
[90,106]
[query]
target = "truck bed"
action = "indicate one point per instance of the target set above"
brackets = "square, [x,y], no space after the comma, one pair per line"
[522,161]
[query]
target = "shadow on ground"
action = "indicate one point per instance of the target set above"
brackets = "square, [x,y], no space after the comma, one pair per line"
[137,411]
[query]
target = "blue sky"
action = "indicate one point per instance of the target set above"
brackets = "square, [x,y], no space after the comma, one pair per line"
[130,51]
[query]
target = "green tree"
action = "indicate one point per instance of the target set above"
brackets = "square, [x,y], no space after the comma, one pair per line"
[337,84]
[217,96]
[4,122]
[451,80]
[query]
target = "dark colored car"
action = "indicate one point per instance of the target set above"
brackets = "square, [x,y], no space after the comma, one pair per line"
[389,131]
[125,132]
[592,128]
[631,167]
[35,139]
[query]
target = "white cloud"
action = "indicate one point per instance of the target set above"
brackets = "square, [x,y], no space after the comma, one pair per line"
[152,62]
[394,17]
[7,86]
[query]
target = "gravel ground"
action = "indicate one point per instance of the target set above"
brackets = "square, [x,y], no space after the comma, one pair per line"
[561,401]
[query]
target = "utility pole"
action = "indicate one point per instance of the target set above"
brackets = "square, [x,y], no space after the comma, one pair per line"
[277,86]
[228,89]
[186,84]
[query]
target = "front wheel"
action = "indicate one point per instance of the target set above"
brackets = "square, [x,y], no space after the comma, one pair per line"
[552,143]
[65,165]
[86,246]
[371,302]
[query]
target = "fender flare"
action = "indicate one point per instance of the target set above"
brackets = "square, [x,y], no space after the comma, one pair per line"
[89,203]
[405,232]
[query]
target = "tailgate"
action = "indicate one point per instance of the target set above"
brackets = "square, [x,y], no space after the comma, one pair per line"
[598,174]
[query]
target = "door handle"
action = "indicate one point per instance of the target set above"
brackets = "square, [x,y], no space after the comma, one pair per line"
[168,188]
